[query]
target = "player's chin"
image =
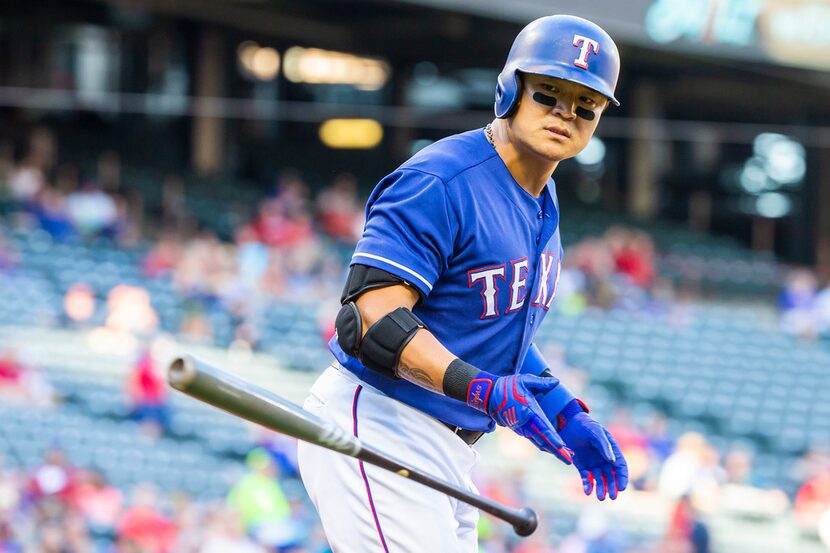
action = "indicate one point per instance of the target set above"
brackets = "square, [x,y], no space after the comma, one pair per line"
[557,151]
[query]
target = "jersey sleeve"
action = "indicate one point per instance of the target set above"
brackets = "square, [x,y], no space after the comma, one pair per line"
[410,228]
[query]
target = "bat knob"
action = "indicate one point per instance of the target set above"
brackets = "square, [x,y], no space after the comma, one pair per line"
[528,523]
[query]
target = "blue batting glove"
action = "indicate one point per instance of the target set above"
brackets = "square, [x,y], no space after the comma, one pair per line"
[510,401]
[597,456]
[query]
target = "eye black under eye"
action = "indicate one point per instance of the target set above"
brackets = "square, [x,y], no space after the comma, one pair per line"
[544,99]
[586,114]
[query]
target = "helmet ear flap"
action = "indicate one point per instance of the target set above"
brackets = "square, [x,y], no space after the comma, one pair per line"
[508,94]
[518,82]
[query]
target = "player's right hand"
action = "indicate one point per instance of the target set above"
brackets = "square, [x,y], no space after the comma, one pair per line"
[510,401]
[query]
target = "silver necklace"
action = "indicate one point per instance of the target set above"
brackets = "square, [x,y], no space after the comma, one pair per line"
[488,131]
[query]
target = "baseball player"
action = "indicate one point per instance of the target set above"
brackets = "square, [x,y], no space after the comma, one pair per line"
[455,271]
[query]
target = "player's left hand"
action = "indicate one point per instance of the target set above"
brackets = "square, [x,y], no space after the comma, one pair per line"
[596,455]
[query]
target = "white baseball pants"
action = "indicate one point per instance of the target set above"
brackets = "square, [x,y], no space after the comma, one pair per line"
[365,509]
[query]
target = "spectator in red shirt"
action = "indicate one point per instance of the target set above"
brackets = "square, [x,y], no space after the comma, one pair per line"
[812,500]
[55,477]
[98,502]
[277,229]
[164,256]
[11,371]
[633,253]
[686,532]
[284,220]
[143,524]
[338,209]
[147,392]
[22,384]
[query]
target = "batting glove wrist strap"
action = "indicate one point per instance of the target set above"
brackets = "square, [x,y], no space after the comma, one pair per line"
[567,413]
[510,400]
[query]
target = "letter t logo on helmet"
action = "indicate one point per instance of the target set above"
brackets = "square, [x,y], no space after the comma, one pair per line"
[588,46]
[547,46]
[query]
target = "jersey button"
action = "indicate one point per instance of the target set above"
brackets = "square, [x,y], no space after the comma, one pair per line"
[540,215]
[532,317]
[538,238]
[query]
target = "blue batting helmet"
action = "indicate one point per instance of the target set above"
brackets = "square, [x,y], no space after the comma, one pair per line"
[561,46]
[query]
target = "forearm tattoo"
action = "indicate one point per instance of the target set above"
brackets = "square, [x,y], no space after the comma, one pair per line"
[417,376]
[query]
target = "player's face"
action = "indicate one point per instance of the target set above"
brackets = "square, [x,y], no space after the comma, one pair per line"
[555,119]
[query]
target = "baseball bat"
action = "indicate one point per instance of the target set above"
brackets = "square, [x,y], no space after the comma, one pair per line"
[230,393]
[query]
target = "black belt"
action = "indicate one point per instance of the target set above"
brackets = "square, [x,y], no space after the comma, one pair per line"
[468,436]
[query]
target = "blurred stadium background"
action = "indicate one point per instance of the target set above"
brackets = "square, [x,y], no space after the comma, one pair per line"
[182,175]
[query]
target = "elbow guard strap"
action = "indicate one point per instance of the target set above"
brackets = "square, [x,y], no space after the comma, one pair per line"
[381,347]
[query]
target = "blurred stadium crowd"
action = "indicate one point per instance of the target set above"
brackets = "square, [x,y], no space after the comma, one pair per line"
[147,267]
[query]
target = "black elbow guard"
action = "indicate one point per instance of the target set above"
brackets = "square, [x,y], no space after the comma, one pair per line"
[349,327]
[381,347]
[384,341]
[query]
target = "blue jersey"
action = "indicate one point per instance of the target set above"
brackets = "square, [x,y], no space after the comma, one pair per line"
[485,255]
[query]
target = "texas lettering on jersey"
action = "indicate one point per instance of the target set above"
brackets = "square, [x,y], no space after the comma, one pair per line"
[514,280]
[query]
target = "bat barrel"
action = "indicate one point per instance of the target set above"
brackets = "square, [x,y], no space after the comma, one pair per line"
[230,393]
